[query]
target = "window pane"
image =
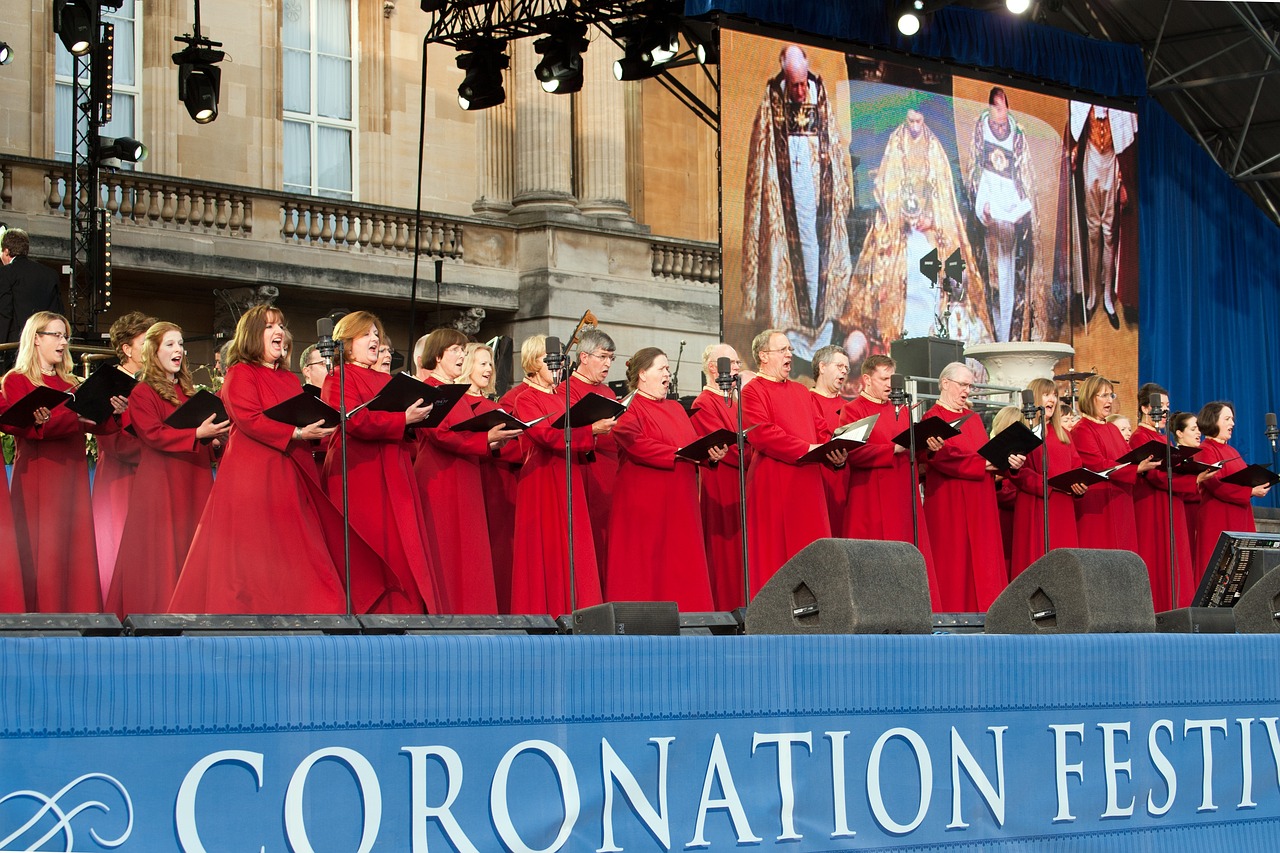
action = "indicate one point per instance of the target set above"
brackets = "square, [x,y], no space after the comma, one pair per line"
[62,61]
[297,24]
[297,81]
[62,95]
[333,89]
[333,161]
[333,27]
[125,64]
[297,156]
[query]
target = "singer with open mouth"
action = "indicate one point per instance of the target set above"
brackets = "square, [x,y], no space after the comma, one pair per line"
[1223,506]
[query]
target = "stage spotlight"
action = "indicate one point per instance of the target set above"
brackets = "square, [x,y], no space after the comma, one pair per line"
[561,67]
[910,19]
[198,87]
[73,22]
[648,46]
[1017,7]
[481,88]
[6,53]
[124,148]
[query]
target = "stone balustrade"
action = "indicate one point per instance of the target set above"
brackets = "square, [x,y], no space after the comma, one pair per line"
[699,262]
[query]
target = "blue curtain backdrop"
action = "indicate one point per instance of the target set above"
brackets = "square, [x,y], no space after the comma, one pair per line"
[1210,298]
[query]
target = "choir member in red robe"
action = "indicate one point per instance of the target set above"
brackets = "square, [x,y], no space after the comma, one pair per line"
[881,487]
[658,551]
[1028,509]
[173,480]
[721,499]
[540,557]
[830,368]
[118,452]
[1223,506]
[1152,510]
[12,596]
[53,519]
[1006,491]
[269,539]
[1186,433]
[497,471]
[786,505]
[385,506]
[600,466]
[960,503]
[448,472]
[1104,514]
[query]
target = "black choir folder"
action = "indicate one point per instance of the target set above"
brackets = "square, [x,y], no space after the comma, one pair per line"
[1251,476]
[931,427]
[700,450]
[404,390]
[302,410]
[846,437]
[1156,449]
[197,410]
[22,413]
[1015,439]
[1084,476]
[492,418]
[588,410]
[92,399]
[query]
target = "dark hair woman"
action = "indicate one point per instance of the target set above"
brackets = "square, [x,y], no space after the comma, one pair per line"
[1222,505]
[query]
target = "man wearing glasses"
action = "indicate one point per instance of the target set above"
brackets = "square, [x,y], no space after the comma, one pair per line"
[314,370]
[595,357]
[26,287]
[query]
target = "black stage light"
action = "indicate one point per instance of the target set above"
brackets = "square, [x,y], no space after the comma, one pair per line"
[481,88]
[121,148]
[6,53]
[649,45]
[199,77]
[560,70]
[73,22]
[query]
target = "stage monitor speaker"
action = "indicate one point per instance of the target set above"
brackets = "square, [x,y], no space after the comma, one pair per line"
[237,624]
[631,618]
[1197,620]
[59,625]
[959,623]
[1258,610]
[723,623]
[925,356]
[846,586]
[1076,591]
[395,623]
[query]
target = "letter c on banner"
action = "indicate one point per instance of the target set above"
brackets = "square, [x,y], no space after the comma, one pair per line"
[500,813]
[295,826]
[184,811]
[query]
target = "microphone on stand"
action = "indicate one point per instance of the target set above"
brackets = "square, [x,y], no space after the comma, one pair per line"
[1273,431]
[1159,411]
[723,377]
[324,342]
[897,393]
[1029,407]
[555,358]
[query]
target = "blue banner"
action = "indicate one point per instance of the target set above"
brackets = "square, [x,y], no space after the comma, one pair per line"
[639,744]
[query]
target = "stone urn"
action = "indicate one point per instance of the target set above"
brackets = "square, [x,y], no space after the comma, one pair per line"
[1016,363]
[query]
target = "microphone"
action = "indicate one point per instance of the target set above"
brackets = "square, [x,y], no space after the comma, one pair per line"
[1158,409]
[1273,432]
[723,378]
[324,342]
[555,358]
[897,393]
[1029,407]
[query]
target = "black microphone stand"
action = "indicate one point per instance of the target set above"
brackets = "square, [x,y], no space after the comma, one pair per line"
[1272,433]
[727,382]
[900,397]
[1160,412]
[556,363]
[334,347]
[1029,411]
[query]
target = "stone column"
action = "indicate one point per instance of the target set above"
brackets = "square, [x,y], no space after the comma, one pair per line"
[544,152]
[601,128]
[495,172]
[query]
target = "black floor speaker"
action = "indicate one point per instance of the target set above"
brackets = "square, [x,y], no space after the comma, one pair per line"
[59,625]
[846,586]
[1197,620]
[634,618]
[1076,591]
[237,624]
[1258,610]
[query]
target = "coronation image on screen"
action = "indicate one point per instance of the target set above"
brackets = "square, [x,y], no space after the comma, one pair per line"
[850,182]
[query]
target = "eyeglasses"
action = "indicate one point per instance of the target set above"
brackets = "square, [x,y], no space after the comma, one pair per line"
[965,385]
[1105,395]
[787,350]
[62,336]
[319,363]
[603,355]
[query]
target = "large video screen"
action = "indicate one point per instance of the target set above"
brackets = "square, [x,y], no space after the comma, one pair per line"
[868,199]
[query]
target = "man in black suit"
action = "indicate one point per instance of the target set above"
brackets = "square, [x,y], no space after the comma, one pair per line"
[26,287]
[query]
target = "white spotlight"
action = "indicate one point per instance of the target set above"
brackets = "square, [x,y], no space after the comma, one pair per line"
[909,23]
[1017,7]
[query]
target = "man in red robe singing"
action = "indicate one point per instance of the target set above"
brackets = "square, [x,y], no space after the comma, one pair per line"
[786,506]
[595,357]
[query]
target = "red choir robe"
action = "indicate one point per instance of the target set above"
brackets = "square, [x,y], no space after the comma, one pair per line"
[600,469]
[498,480]
[385,506]
[118,456]
[786,505]
[1028,508]
[52,511]
[835,481]
[540,553]
[880,484]
[173,480]
[1151,509]
[1006,498]
[12,596]
[658,551]
[448,472]
[721,502]
[1222,505]
[1104,514]
[1191,504]
[269,539]
[964,519]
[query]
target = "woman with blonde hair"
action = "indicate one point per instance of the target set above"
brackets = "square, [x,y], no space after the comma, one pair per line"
[173,479]
[385,507]
[1028,507]
[269,540]
[52,513]
[118,451]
